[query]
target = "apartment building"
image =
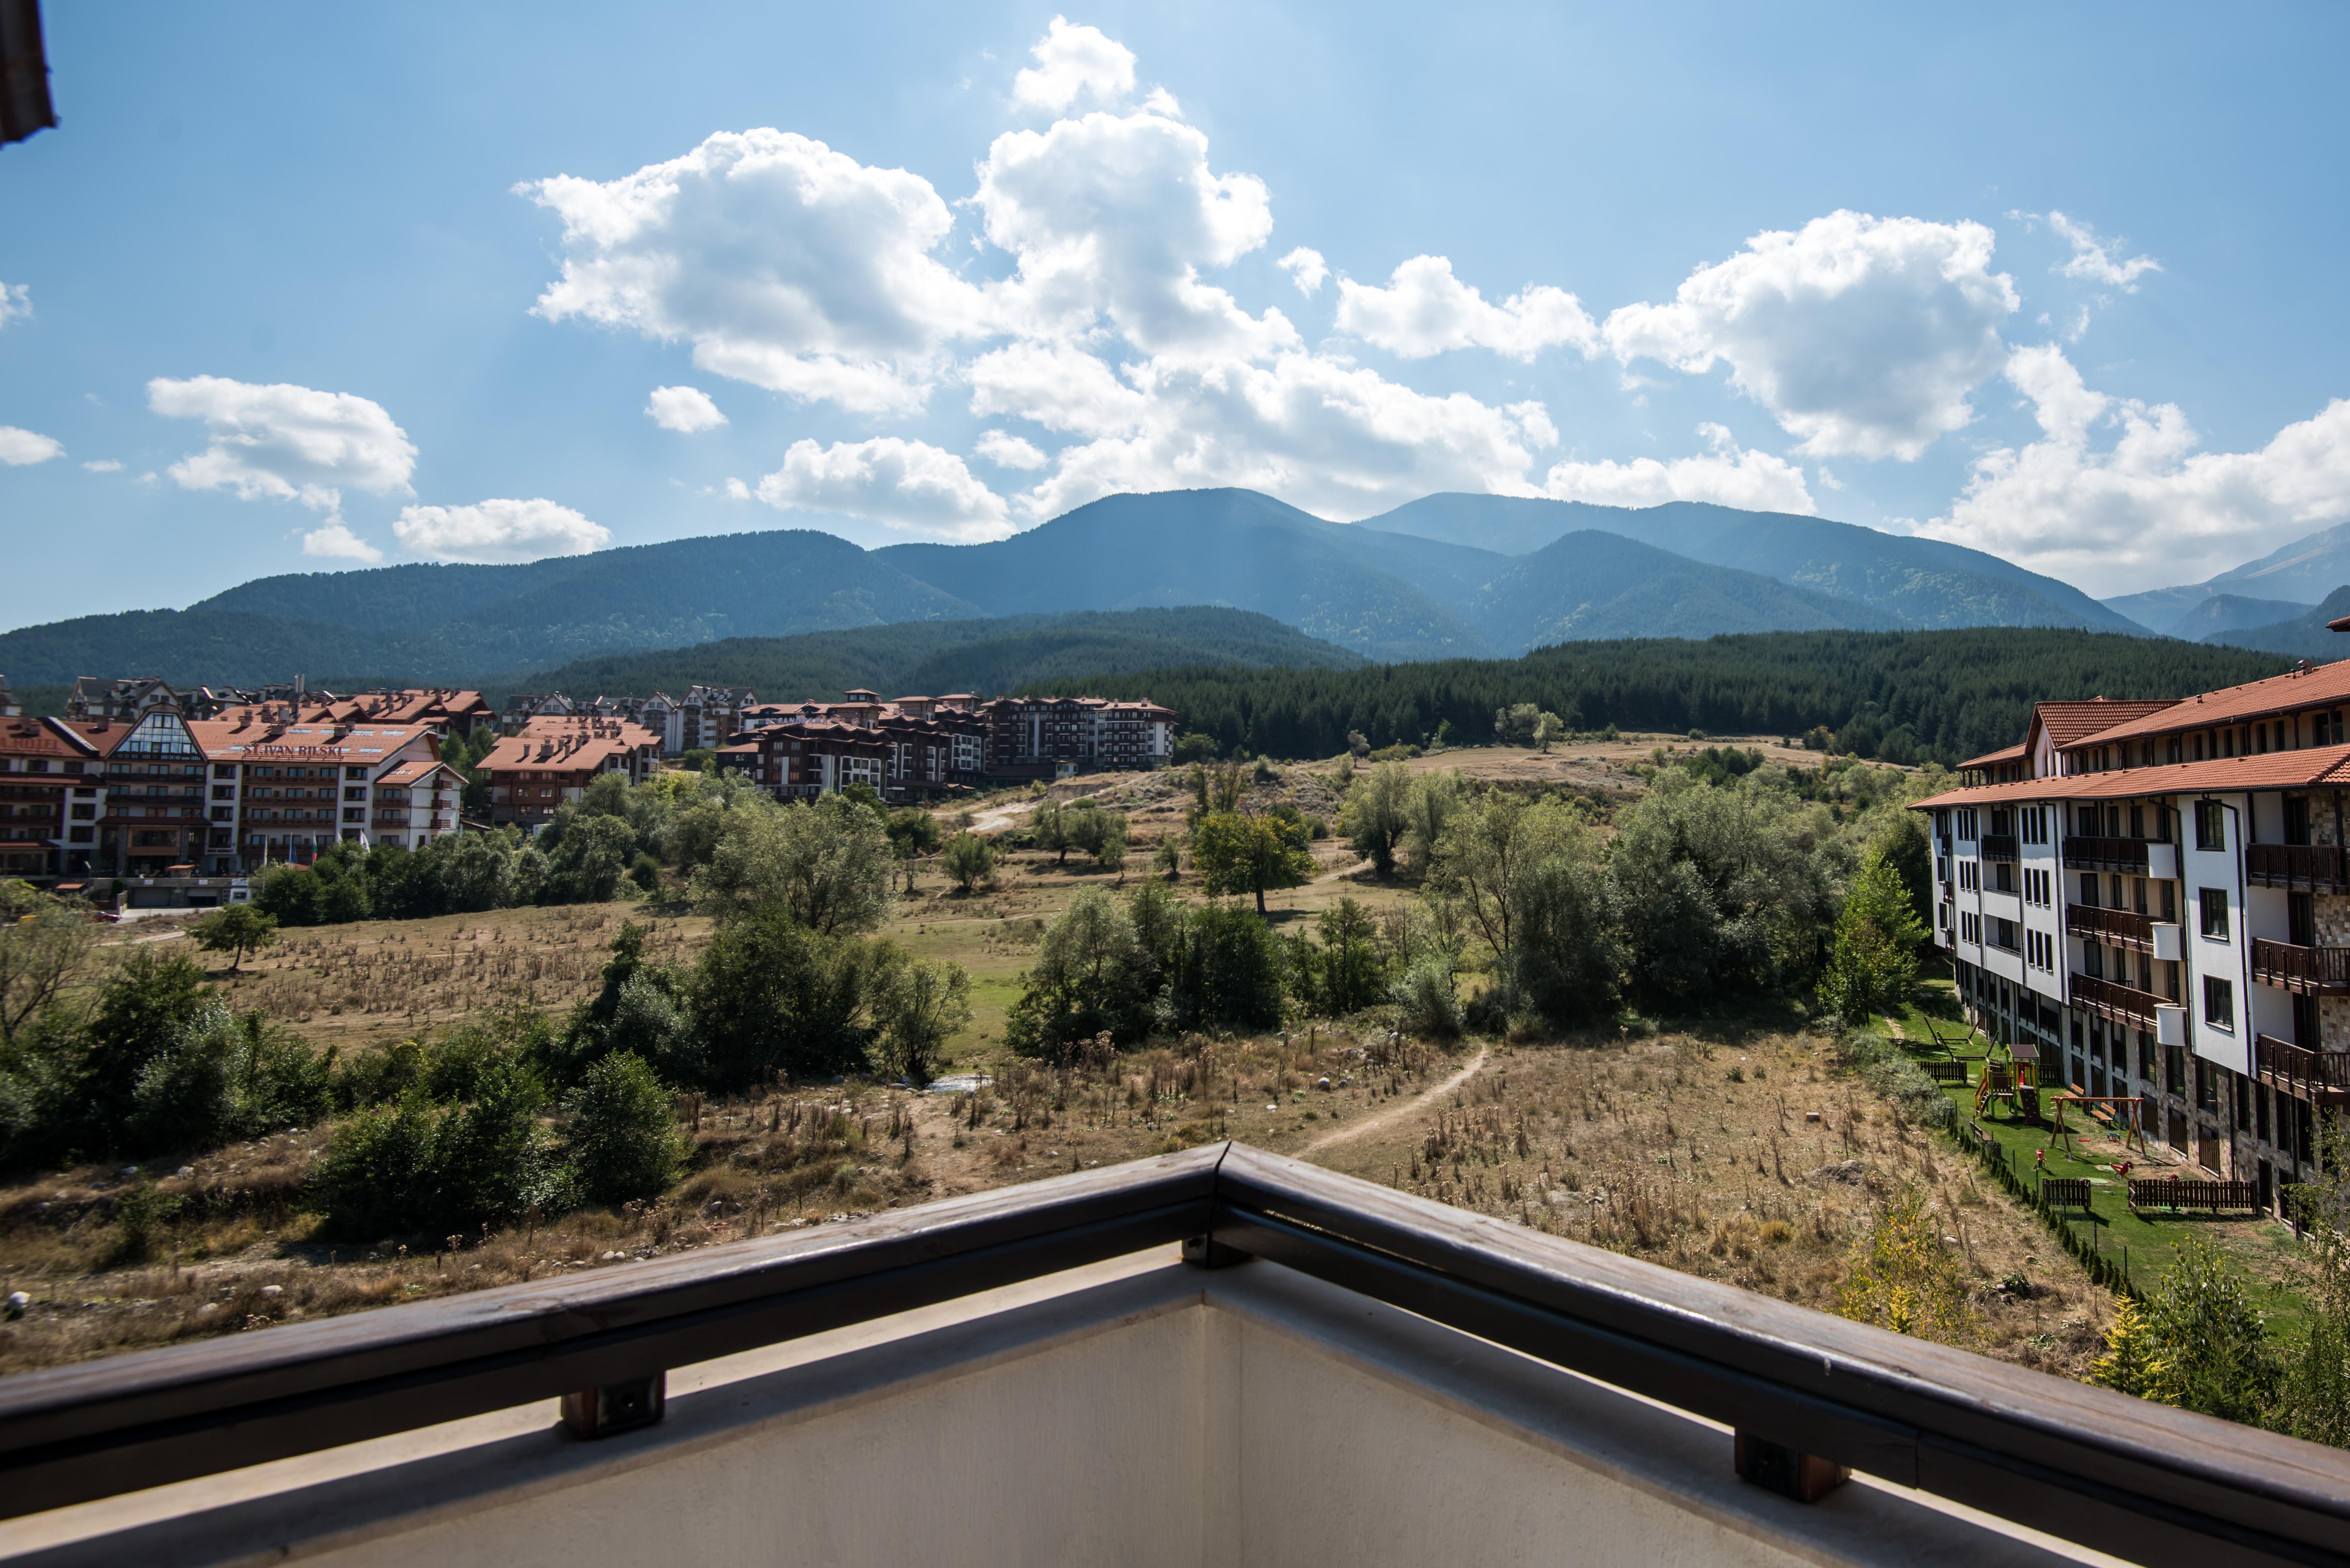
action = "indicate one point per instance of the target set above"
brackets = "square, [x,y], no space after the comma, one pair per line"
[553,760]
[40,768]
[2153,900]
[98,698]
[277,789]
[802,758]
[1042,737]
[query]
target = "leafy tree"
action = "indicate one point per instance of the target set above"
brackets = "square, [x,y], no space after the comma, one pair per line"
[1167,859]
[588,851]
[826,864]
[772,995]
[376,1177]
[2212,1350]
[622,1138]
[1085,981]
[1223,969]
[2315,1397]
[143,1010]
[1194,748]
[1514,725]
[45,943]
[236,929]
[223,1078]
[921,1006]
[1434,801]
[1873,956]
[489,1153]
[970,859]
[1725,888]
[1049,829]
[1563,958]
[1377,813]
[1348,969]
[1485,849]
[1548,731]
[1237,853]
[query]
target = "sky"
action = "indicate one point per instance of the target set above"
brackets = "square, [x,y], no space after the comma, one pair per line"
[308,289]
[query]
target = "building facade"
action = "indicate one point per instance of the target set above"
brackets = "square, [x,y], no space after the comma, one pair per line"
[2154,900]
[552,760]
[278,792]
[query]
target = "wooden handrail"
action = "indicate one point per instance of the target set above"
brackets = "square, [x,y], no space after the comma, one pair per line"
[2140,1480]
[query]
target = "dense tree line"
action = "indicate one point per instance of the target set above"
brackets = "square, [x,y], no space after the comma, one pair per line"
[1942,696]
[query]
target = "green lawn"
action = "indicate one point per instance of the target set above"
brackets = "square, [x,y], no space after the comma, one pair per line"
[2144,1243]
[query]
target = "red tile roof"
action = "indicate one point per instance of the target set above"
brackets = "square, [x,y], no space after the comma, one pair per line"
[2013,753]
[2068,723]
[2328,766]
[2324,685]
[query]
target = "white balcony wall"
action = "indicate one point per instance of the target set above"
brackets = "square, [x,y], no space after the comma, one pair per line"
[1137,1413]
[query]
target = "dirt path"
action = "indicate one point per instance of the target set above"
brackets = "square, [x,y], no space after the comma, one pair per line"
[1002,816]
[1412,1107]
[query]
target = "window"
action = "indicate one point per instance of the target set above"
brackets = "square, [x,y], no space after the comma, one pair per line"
[2219,1003]
[2003,934]
[2211,828]
[2215,912]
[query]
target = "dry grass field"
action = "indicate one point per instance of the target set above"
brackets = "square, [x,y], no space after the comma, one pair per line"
[1730,1149]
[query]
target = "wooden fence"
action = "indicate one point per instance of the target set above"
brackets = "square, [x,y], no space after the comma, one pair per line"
[1945,1072]
[2158,1192]
[2065,1192]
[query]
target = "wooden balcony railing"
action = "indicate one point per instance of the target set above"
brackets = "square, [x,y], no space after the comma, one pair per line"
[2122,927]
[2137,1478]
[2320,1075]
[2313,972]
[2126,1002]
[1999,846]
[2311,867]
[2106,854]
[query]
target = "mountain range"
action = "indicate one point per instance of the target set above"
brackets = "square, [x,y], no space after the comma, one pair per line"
[1452,575]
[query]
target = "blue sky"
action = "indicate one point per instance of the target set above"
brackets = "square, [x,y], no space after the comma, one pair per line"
[338,284]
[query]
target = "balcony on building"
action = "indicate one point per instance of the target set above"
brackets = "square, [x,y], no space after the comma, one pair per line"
[2303,868]
[1996,847]
[2321,1077]
[1218,1356]
[2123,929]
[2135,857]
[2127,1005]
[2304,970]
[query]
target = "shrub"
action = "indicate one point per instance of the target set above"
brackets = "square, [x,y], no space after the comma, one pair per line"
[623,1142]
[2211,1345]
[376,1177]
[1424,994]
[1901,1277]
[1892,1072]
[969,860]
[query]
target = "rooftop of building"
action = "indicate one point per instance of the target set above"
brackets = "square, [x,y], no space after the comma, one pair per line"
[249,736]
[2319,685]
[2071,722]
[2312,767]
[2014,754]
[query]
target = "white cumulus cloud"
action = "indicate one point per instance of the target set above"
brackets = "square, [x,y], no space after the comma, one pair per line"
[784,263]
[1114,216]
[685,409]
[1727,475]
[19,448]
[490,531]
[2115,494]
[2092,259]
[1863,336]
[15,303]
[1426,310]
[337,542]
[284,442]
[1073,62]
[1006,450]
[1306,268]
[905,484]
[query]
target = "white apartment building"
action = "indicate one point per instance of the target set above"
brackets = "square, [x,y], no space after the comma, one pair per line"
[2154,901]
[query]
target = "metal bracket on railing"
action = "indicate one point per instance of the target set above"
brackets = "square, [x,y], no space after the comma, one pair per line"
[1774,1467]
[615,1407]
[1207,1253]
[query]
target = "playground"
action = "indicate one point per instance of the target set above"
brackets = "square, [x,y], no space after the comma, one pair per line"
[2082,1160]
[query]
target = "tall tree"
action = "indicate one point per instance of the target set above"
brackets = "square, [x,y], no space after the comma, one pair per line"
[1237,853]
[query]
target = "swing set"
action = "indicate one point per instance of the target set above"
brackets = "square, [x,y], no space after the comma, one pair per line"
[2060,1131]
